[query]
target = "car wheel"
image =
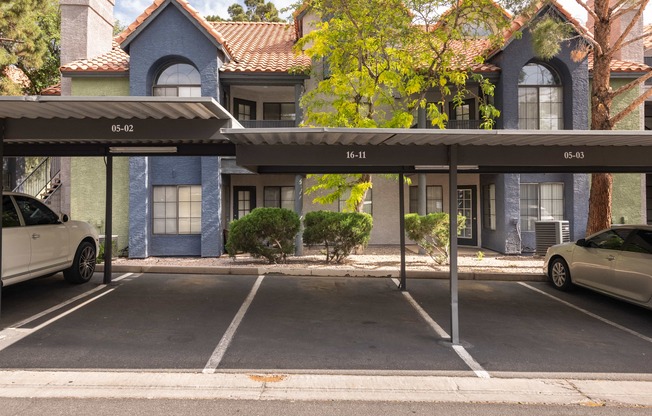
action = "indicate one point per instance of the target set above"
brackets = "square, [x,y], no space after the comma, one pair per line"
[559,274]
[83,266]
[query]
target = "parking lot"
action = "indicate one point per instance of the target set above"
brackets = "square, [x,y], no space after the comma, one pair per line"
[211,323]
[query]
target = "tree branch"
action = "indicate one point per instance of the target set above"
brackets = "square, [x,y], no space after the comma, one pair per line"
[588,9]
[637,102]
[639,15]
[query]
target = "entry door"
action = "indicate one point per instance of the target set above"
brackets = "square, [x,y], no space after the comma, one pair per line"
[244,200]
[466,205]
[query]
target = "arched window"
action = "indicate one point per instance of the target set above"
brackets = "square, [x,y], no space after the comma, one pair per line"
[178,80]
[540,99]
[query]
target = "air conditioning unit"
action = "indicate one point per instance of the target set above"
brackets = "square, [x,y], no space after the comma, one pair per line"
[549,233]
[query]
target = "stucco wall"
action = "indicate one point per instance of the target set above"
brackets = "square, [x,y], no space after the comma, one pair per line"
[628,205]
[88,175]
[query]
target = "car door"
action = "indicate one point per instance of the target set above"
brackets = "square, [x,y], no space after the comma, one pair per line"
[633,270]
[16,244]
[594,263]
[48,237]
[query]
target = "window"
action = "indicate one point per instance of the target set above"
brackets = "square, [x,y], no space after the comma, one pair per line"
[434,199]
[178,80]
[9,214]
[541,202]
[367,202]
[177,209]
[489,207]
[279,197]
[279,111]
[34,212]
[540,99]
[244,110]
[609,240]
[640,242]
[465,111]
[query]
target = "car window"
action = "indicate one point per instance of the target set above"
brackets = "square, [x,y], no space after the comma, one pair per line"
[609,240]
[9,214]
[35,212]
[641,242]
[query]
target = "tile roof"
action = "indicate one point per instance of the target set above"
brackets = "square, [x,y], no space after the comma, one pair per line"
[122,37]
[467,52]
[114,61]
[261,47]
[52,90]
[623,66]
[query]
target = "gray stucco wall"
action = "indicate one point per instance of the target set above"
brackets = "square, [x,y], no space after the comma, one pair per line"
[575,80]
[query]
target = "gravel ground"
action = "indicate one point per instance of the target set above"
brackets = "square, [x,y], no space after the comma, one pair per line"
[373,258]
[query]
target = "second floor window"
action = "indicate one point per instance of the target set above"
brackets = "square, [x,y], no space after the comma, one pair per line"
[540,99]
[178,80]
[279,111]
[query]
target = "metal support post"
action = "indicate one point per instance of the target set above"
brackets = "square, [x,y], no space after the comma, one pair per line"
[108,220]
[401,210]
[298,208]
[452,202]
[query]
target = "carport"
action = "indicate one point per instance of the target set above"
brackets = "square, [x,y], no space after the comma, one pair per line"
[124,126]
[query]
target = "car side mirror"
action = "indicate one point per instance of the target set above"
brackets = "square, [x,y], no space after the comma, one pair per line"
[581,242]
[64,218]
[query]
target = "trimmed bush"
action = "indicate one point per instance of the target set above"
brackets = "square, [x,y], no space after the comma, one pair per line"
[431,233]
[264,232]
[339,232]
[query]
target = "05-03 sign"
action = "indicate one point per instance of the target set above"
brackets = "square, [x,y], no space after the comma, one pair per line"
[573,155]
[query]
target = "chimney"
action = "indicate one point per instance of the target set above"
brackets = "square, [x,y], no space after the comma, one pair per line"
[86,31]
[632,52]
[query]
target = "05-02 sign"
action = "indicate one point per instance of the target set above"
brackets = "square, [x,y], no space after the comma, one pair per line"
[122,128]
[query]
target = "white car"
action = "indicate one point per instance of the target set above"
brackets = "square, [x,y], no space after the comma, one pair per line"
[37,242]
[616,261]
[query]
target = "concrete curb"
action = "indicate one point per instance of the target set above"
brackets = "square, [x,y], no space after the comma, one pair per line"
[280,386]
[321,272]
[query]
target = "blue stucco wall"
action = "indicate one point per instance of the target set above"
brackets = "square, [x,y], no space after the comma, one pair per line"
[575,80]
[173,38]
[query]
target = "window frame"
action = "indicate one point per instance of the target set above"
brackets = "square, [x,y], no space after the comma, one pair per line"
[413,197]
[489,206]
[280,105]
[248,103]
[157,86]
[525,224]
[537,93]
[278,203]
[192,206]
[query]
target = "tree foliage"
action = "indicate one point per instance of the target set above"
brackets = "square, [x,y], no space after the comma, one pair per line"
[382,57]
[606,16]
[29,41]
[254,11]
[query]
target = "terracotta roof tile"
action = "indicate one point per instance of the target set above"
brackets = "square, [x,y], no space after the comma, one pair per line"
[122,37]
[623,66]
[52,90]
[114,61]
[261,47]
[467,52]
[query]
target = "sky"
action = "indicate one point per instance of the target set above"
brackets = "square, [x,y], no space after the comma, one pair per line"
[126,11]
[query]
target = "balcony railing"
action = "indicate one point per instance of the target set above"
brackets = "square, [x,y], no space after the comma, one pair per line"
[267,124]
[457,125]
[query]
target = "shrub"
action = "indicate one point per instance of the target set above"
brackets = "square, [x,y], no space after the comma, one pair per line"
[264,232]
[339,232]
[431,233]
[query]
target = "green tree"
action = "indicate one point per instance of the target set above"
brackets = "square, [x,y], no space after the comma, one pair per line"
[381,57]
[605,16]
[29,41]
[256,11]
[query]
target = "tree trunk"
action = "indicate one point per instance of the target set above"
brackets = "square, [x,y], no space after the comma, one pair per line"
[600,203]
[599,216]
[360,205]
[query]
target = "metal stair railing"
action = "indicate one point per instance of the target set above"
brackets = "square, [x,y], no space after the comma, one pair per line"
[43,181]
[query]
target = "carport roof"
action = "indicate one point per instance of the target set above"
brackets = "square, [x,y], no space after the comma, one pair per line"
[343,150]
[96,126]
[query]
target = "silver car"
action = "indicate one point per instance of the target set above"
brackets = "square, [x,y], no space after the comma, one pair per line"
[616,262]
[38,242]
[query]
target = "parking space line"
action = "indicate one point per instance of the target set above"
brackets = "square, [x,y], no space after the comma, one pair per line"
[459,350]
[9,336]
[591,314]
[65,303]
[218,354]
